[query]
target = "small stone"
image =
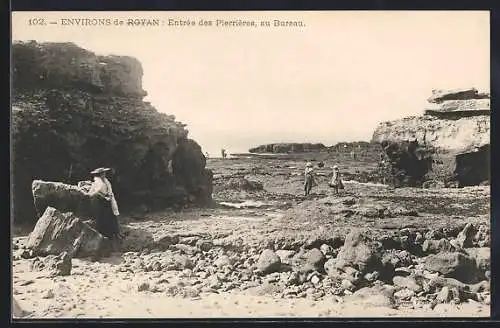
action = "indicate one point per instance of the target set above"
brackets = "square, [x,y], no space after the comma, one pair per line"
[347,285]
[48,294]
[444,296]
[285,255]
[214,282]
[326,249]
[371,277]
[404,294]
[143,286]
[407,282]
[222,261]
[268,262]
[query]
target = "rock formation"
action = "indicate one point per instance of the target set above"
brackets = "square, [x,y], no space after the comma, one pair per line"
[288,148]
[455,130]
[74,111]
[64,197]
[57,232]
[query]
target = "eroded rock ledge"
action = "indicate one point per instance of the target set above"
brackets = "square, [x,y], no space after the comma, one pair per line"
[453,136]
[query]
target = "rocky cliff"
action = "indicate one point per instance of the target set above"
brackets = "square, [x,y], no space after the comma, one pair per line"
[456,123]
[73,111]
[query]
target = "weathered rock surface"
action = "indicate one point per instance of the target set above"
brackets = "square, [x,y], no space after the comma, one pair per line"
[453,265]
[59,265]
[268,262]
[457,134]
[64,197]
[408,162]
[359,253]
[57,232]
[75,111]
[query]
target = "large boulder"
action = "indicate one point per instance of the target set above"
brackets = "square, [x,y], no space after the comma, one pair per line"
[64,197]
[75,111]
[359,253]
[268,262]
[453,265]
[57,232]
[186,163]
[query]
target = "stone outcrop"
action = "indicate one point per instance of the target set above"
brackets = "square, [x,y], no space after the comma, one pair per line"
[454,132]
[57,232]
[74,111]
[289,148]
[457,95]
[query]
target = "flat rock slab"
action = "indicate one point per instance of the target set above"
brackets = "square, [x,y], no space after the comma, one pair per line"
[64,197]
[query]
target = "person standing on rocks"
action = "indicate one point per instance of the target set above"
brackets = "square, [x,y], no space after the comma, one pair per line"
[105,205]
[309,178]
[336,182]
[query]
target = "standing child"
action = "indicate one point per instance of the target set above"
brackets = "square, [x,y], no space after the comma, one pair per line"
[309,178]
[336,182]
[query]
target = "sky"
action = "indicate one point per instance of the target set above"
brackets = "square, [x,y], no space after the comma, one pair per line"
[333,79]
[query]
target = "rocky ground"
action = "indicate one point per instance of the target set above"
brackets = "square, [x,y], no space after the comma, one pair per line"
[266,250]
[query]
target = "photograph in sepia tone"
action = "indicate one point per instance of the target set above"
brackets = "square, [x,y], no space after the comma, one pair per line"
[250,164]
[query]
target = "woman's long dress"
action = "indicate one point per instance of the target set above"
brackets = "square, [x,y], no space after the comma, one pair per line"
[106,220]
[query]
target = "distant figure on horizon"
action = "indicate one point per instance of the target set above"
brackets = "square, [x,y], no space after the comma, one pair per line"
[336,182]
[223,153]
[308,178]
[206,155]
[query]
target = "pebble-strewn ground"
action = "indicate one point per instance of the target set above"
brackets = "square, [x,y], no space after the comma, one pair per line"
[274,252]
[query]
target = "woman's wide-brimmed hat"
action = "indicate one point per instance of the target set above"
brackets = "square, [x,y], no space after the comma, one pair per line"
[100,170]
[309,164]
[335,167]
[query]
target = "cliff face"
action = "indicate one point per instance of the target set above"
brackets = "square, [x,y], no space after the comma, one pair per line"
[74,111]
[457,134]
[456,123]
